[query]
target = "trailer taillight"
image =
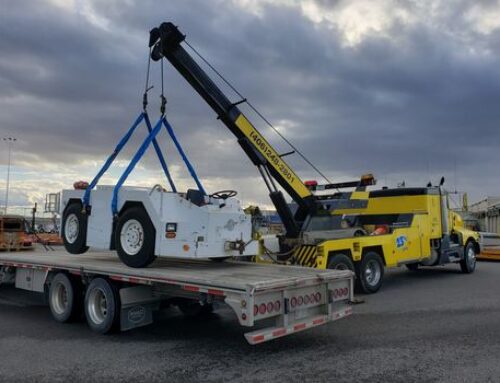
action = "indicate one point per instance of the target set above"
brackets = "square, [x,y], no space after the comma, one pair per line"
[270,307]
[277,306]
[262,308]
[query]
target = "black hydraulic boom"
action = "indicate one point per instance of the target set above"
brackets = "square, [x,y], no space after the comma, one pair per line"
[166,42]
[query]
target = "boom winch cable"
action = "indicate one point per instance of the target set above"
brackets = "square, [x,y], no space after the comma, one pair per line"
[256,111]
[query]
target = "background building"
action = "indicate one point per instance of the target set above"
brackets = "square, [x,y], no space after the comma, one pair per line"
[487,212]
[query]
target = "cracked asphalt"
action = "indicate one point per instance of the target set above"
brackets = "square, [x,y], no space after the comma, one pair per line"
[434,325]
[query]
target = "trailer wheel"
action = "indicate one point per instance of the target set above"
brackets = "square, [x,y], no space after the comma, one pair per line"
[74,229]
[468,264]
[369,273]
[135,238]
[102,306]
[192,308]
[65,298]
[340,262]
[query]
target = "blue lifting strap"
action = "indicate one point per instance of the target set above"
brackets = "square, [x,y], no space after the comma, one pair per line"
[142,116]
[137,156]
[183,155]
[160,156]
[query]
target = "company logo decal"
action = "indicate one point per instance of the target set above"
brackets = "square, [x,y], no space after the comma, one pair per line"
[401,241]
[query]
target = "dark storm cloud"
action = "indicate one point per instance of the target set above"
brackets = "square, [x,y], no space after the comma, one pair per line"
[410,103]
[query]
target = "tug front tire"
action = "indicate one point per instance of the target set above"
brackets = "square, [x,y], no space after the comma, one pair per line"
[135,238]
[74,229]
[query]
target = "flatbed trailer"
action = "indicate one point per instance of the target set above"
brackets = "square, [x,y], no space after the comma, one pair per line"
[114,296]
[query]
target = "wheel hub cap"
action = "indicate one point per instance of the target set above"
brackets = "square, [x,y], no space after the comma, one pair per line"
[71,228]
[372,273]
[132,237]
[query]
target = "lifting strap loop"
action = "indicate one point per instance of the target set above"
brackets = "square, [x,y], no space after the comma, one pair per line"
[183,155]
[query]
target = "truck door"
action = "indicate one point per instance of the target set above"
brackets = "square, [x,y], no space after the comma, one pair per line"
[407,242]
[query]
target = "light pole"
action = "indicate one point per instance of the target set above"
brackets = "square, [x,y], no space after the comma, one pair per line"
[10,141]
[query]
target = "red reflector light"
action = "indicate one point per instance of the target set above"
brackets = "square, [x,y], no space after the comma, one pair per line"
[277,306]
[293,302]
[262,308]
[255,310]
[270,307]
[244,316]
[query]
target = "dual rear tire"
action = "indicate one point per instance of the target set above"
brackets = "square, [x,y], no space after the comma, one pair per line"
[369,271]
[101,302]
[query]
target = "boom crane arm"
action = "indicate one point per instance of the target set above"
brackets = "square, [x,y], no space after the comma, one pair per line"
[166,42]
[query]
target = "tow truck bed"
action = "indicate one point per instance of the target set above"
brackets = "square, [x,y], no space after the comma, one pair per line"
[246,287]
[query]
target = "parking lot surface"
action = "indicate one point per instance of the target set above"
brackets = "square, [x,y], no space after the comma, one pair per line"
[433,325]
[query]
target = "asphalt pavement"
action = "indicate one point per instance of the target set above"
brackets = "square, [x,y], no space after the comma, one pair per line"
[434,325]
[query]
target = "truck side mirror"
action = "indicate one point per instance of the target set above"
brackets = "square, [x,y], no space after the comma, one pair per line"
[441,183]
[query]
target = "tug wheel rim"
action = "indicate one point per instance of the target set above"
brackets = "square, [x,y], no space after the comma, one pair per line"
[132,237]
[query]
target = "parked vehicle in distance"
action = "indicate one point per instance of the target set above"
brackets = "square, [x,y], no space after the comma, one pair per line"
[13,233]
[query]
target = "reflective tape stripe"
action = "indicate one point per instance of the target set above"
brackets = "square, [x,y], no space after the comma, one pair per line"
[306,255]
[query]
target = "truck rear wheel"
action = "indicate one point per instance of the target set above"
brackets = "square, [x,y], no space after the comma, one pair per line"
[102,306]
[340,262]
[369,273]
[74,229]
[135,238]
[468,264]
[65,298]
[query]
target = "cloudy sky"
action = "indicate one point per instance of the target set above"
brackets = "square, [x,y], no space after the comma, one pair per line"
[407,90]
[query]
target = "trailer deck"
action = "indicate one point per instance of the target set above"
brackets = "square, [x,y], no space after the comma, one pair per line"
[228,275]
[246,287]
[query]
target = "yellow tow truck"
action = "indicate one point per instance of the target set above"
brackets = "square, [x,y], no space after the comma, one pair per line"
[414,225]
[366,231]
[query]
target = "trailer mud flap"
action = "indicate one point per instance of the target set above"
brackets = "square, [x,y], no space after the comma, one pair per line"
[137,306]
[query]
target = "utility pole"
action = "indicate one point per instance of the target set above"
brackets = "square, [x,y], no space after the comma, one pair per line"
[10,141]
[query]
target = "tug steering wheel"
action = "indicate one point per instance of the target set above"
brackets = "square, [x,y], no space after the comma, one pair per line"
[224,194]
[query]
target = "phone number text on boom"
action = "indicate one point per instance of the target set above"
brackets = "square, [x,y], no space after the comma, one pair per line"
[272,156]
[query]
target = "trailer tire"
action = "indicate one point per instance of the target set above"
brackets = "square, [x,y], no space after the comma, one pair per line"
[340,262]
[102,306]
[135,238]
[65,298]
[74,229]
[468,264]
[369,273]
